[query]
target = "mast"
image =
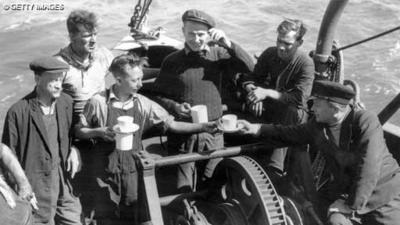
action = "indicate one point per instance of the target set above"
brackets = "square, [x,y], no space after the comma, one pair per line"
[323,54]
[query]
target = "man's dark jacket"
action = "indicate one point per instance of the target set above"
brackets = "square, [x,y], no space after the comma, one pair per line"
[362,165]
[293,79]
[25,133]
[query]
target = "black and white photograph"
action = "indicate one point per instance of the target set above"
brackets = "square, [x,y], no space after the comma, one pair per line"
[188,112]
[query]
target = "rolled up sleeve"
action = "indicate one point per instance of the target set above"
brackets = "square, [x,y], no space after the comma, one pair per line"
[156,116]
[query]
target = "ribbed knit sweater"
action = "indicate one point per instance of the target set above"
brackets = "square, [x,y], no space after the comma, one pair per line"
[196,77]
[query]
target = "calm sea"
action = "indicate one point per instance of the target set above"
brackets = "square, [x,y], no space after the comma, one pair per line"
[26,34]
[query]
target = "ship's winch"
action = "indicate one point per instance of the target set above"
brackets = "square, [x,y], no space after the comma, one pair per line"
[240,193]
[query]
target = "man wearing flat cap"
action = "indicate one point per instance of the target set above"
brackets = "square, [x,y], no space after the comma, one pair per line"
[195,76]
[37,128]
[360,178]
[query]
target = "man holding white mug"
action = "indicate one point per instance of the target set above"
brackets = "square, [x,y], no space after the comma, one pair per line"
[193,76]
[113,168]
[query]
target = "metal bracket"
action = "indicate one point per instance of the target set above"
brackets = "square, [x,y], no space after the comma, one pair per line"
[152,199]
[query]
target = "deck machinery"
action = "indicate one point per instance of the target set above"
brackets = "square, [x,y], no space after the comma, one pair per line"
[241,192]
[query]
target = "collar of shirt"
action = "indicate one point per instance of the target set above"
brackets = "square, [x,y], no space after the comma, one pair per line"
[72,58]
[202,52]
[117,103]
[47,110]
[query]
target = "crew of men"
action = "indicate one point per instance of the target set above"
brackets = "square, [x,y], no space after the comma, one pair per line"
[68,118]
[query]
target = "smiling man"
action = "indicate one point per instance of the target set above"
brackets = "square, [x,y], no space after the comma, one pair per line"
[360,178]
[194,75]
[38,128]
[114,172]
[88,62]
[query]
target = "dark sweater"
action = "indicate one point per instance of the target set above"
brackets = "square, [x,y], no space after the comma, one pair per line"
[196,78]
[296,76]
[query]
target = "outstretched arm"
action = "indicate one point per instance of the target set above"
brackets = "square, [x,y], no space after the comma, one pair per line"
[12,166]
[188,128]
[105,133]
[279,135]
[92,123]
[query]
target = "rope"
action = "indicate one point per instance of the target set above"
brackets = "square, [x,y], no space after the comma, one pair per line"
[368,39]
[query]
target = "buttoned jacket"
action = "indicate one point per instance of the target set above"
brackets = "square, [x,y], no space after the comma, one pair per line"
[25,133]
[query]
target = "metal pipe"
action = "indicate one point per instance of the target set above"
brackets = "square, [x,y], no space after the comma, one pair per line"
[167,200]
[326,34]
[196,156]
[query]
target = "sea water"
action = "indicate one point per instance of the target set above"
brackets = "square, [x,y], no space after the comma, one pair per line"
[30,29]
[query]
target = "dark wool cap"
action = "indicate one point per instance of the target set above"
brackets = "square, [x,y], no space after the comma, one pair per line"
[198,16]
[332,91]
[48,64]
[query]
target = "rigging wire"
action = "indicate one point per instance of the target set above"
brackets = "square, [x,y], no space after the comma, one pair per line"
[367,39]
[140,13]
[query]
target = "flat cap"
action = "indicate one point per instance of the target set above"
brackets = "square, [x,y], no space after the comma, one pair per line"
[48,64]
[198,16]
[332,91]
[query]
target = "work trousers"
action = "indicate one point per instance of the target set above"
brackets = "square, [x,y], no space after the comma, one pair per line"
[65,208]
[188,174]
[286,116]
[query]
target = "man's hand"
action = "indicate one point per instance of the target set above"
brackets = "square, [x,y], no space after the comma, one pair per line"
[183,110]
[34,202]
[257,95]
[339,213]
[250,87]
[31,198]
[106,133]
[256,108]
[220,37]
[10,163]
[249,128]
[73,161]
[210,127]
[340,206]
[339,219]
[25,191]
